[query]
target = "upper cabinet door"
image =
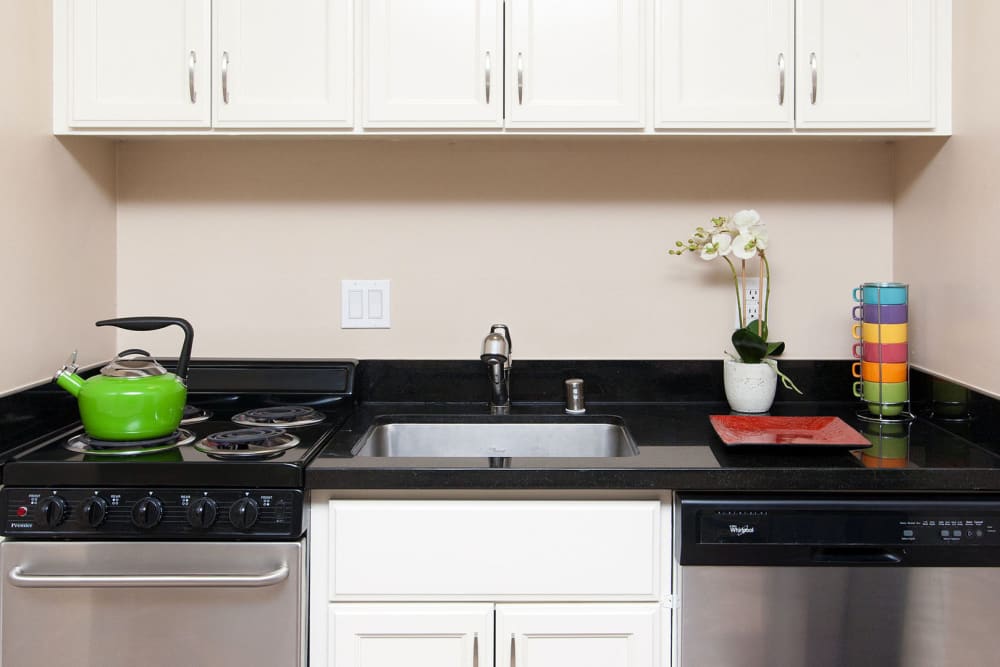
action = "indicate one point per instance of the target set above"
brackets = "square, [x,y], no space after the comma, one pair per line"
[725,63]
[139,64]
[575,64]
[432,63]
[283,64]
[864,64]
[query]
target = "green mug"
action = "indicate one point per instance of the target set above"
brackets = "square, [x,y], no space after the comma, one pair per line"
[884,399]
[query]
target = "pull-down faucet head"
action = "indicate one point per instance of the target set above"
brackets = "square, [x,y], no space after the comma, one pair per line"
[496,356]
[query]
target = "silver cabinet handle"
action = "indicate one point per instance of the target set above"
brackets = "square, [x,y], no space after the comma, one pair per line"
[225,77]
[781,79]
[513,659]
[19,578]
[488,73]
[520,78]
[475,650]
[815,76]
[192,61]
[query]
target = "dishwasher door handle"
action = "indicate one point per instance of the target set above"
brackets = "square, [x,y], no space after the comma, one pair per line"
[21,579]
[855,556]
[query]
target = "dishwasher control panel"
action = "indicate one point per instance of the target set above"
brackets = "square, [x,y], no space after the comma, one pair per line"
[847,527]
[839,529]
[155,514]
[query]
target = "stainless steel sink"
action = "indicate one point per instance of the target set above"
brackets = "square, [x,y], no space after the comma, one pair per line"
[501,436]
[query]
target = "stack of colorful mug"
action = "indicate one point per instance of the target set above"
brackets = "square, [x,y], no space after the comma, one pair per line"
[882,349]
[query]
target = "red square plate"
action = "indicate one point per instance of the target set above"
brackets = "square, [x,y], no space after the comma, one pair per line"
[757,431]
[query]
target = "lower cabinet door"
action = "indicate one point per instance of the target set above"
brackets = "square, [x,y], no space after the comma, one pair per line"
[414,635]
[580,635]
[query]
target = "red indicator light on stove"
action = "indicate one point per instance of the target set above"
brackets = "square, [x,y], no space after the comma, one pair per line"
[22,511]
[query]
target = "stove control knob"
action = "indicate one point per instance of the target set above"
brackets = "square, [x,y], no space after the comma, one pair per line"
[51,511]
[243,513]
[147,512]
[202,512]
[94,510]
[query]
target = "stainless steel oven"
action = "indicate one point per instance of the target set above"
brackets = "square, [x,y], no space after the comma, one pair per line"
[183,551]
[155,604]
[838,581]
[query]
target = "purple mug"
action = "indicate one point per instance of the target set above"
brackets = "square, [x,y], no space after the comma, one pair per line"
[874,313]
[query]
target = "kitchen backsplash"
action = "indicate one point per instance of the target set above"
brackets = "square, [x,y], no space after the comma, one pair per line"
[564,239]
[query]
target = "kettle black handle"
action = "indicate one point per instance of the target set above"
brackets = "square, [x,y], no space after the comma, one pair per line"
[153,323]
[133,350]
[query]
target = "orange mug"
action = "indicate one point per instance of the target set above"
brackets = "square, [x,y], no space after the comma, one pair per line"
[871,371]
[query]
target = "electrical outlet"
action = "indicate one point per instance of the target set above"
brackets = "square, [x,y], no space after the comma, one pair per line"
[753,298]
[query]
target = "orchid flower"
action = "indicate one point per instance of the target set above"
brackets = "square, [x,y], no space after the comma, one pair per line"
[720,246]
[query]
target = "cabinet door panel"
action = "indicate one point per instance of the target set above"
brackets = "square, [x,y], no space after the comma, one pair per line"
[432,63]
[139,64]
[724,63]
[582,635]
[283,64]
[873,62]
[494,549]
[575,67]
[415,635]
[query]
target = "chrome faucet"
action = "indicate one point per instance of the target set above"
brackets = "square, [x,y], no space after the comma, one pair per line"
[496,356]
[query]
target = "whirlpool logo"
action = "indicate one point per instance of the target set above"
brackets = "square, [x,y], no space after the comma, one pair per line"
[739,531]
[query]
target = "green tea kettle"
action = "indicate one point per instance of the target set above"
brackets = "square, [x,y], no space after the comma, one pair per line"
[133,397]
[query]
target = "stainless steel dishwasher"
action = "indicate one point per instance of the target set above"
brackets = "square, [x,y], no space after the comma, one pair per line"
[842,580]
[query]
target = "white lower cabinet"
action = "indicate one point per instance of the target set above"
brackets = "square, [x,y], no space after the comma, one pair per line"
[415,635]
[581,635]
[461,635]
[476,583]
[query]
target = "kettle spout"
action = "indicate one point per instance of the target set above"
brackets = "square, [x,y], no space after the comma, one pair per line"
[69,380]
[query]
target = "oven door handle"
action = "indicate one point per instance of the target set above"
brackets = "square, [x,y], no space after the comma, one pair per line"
[19,578]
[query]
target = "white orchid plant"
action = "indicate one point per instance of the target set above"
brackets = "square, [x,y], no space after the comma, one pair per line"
[743,237]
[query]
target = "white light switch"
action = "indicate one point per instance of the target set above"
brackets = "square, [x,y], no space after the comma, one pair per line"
[375,304]
[355,304]
[364,304]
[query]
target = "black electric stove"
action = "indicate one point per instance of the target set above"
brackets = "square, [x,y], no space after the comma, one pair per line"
[217,481]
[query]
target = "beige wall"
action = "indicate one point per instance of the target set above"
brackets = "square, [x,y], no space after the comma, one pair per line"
[57,219]
[947,218]
[565,240]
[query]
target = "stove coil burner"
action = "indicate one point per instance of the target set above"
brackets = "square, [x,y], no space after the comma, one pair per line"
[85,444]
[194,415]
[247,443]
[281,416]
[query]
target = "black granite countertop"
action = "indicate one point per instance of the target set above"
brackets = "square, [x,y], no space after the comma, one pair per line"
[678,448]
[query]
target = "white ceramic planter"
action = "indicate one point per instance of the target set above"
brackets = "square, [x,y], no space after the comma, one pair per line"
[749,387]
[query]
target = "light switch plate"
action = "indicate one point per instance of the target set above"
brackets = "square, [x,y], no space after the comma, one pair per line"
[364,304]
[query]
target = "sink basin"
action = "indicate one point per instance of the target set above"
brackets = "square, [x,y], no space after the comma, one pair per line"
[502,436]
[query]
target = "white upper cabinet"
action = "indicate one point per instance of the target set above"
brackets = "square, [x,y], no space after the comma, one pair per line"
[138,64]
[875,67]
[725,63]
[432,63]
[577,64]
[864,64]
[283,63]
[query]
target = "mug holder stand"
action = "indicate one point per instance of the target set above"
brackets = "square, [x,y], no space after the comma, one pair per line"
[865,414]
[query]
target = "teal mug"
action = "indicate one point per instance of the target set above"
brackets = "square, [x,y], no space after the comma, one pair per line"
[882,293]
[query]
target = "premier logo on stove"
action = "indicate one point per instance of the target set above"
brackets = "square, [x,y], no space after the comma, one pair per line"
[739,531]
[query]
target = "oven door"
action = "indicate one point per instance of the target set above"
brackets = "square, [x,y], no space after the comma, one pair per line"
[121,604]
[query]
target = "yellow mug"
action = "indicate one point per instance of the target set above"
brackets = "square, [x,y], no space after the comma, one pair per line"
[879,333]
[876,372]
